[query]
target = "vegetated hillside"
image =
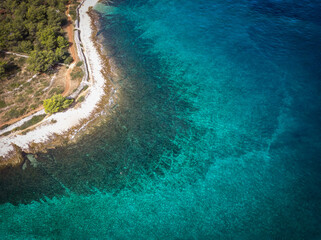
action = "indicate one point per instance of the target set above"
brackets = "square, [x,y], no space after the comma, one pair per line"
[34,27]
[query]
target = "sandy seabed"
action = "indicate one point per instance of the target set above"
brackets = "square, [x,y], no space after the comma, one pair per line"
[62,122]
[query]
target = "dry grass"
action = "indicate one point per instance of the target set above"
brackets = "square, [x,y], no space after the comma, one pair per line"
[22,91]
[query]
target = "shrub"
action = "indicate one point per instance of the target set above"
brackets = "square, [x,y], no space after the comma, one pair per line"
[32,121]
[29,90]
[2,104]
[56,90]
[56,103]
[68,60]
[21,99]
[79,63]
[81,99]
[14,85]
[14,113]
[33,106]
[38,93]
[77,73]
[26,84]
[85,88]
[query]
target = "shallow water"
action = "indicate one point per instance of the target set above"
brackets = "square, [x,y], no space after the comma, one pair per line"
[216,134]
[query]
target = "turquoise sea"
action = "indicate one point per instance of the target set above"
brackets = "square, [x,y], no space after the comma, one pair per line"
[216,133]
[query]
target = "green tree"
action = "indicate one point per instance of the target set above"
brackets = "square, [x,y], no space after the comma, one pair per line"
[3,37]
[32,29]
[56,103]
[62,42]
[37,14]
[25,46]
[60,54]
[68,60]
[55,17]
[41,61]
[47,38]
[21,10]
[11,5]
[27,25]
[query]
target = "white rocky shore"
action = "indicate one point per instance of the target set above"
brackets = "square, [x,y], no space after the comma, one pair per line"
[61,122]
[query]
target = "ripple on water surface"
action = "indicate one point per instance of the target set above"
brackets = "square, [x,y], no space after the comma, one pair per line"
[216,134]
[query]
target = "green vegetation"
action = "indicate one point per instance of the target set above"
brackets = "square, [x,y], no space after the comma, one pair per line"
[56,90]
[34,27]
[85,88]
[68,60]
[3,65]
[81,99]
[41,61]
[73,12]
[56,103]
[28,89]
[77,73]
[33,106]
[2,104]
[21,99]
[14,85]
[79,64]
[14,113]
[32,121]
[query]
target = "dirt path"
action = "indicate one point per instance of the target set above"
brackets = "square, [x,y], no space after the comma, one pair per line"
[67,82]
[70,32]
[16,54]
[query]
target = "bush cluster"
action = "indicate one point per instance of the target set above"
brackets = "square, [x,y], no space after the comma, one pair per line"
[56,103]
[77,73]
[34,27]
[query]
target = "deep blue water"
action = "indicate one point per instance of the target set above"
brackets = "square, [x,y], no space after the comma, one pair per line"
[216,133]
